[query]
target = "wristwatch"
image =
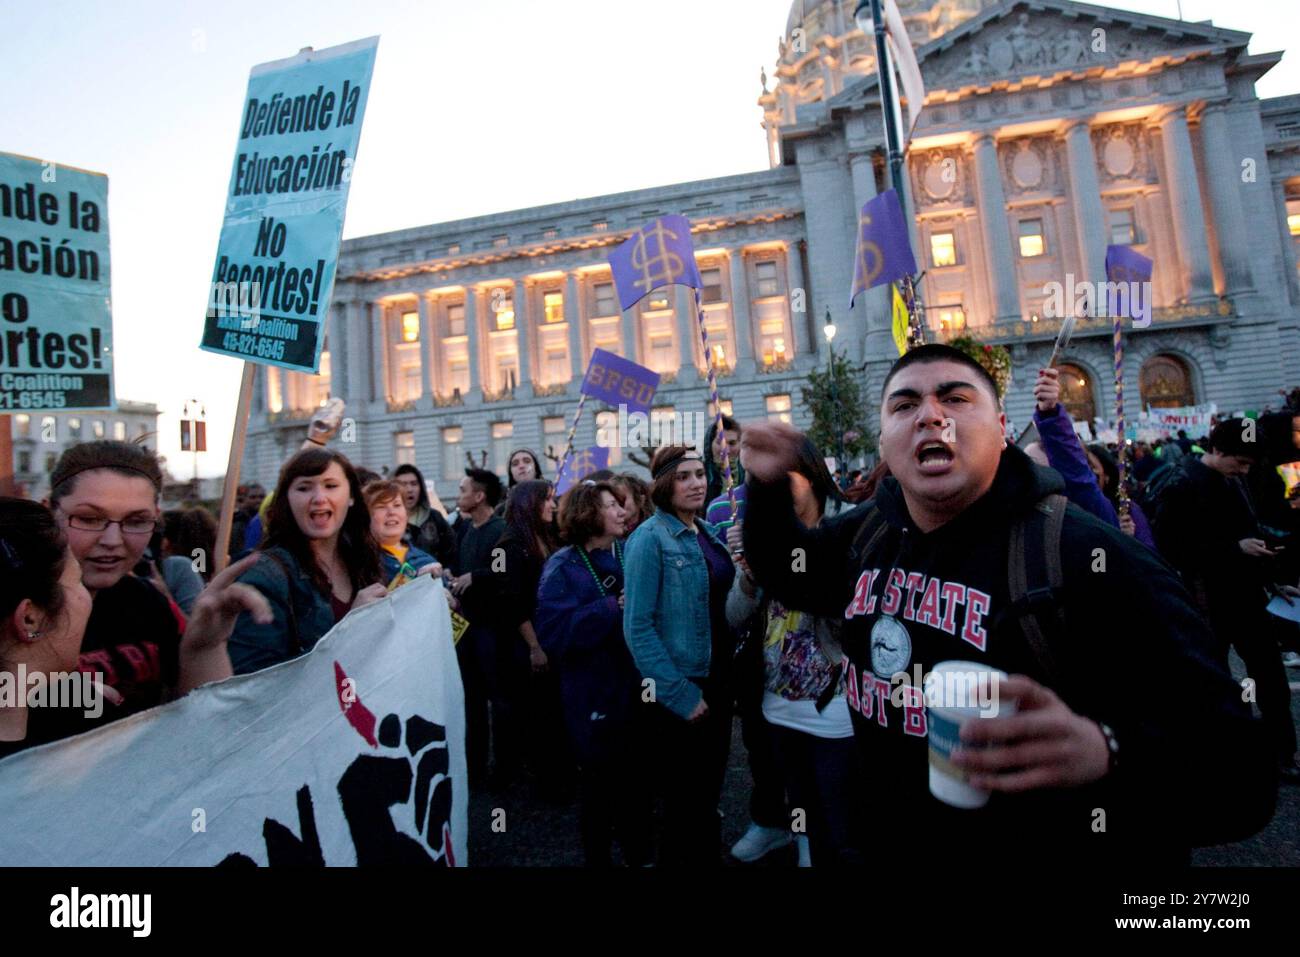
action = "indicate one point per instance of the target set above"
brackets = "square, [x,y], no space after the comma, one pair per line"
[1112,746]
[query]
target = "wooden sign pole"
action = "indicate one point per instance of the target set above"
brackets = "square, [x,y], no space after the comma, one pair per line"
[237,439]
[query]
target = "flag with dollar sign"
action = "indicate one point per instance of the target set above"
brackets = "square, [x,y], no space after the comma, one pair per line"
[581,465]
[660,253]
[884,253]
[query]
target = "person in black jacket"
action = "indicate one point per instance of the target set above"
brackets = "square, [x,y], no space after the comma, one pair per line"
[426,529]
[1120,748]
[1207,527]
[527,695]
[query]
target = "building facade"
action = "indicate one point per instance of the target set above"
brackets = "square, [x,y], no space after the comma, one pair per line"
[39,438]
[1050,130]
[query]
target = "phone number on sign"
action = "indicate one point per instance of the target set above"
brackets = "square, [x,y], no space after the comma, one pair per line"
[247,345]
[33,400]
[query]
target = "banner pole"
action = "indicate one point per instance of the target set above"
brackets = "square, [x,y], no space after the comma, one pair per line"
[717,409]
[1121,459]
[231,483]
[8,484]
[568,443]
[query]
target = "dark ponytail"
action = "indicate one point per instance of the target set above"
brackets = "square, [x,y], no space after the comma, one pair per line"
[33,549]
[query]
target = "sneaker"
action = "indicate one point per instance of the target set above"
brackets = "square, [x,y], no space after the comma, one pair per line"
[805,855]
[1291,659]
[758,842]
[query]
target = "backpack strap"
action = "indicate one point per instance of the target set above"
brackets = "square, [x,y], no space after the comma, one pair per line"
[1035,578]
[869,534]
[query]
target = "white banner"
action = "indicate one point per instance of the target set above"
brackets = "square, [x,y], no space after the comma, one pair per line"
[350,755]
[1194,419]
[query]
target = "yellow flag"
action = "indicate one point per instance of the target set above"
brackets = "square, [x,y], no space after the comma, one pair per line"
[901,322]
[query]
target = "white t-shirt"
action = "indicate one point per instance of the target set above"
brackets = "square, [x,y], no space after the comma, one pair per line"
[833,722]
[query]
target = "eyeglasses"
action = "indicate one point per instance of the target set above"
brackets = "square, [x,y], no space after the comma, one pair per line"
[98,523]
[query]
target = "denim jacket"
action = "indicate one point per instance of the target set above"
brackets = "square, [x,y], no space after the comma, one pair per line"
[301,615]
[666,608]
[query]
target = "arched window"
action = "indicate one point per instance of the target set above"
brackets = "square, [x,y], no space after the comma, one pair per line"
[1166,383]
[1076,393]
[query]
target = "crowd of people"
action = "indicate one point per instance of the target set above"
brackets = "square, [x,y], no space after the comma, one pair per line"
[616,632]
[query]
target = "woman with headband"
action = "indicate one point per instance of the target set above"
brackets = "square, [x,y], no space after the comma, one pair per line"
[675,624]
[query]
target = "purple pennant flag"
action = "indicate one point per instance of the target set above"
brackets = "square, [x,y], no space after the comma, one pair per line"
[617,381]
[1128,285]
[884,253]
[660,253]
[581,464]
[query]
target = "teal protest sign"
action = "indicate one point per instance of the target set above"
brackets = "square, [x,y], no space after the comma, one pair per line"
[274,273]
[56,329]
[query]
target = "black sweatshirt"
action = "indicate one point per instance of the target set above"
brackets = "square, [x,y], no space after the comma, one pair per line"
[1194,765]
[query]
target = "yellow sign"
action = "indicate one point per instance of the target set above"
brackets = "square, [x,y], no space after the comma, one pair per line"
[459,625]
[901,322]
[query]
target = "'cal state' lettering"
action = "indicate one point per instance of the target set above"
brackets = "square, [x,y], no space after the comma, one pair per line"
[914,580]
[864,603]
[928,613]
[953,595]
[851,683]
[881,688]
[914,722]
[977,606]
[893,596]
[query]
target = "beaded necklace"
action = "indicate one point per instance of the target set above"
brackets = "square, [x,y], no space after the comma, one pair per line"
[586,560]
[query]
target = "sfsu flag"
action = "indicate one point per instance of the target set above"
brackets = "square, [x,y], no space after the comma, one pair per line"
[660,253]
[884,253]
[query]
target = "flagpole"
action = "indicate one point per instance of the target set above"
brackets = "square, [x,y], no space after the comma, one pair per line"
[568,442]
[717,408]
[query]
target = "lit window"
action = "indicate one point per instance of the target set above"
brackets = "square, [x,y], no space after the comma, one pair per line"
[1031,237]
[663,424]
[952,318]
[1293,223]
[553,344]
[1123,231]
[658,301]
[320,384]
[769,280]
[119,431]
[452,437]
[600,227]
[98,428]
[772,333]
[74,428]
[607,436]
[553,306]
[503,434]
[943,249]
[778,409]
[453,249]
[717,322]
[404,448]
[554,429]
[410,384]
[712,291]
[606,301]
[659,352]
[410,327]
[22,425]
[505,313]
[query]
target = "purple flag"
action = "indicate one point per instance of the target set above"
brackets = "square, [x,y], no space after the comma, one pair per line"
[581,464]
[660,253]
[1128,285]
[884,253]
[615,380]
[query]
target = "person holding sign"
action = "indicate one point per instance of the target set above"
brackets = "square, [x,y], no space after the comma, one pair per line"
[675,623]
[319,561]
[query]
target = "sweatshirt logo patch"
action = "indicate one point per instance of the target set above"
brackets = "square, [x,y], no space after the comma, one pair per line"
[891,647]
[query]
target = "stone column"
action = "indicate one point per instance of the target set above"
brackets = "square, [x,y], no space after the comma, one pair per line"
[1003,280]
[1085,194]
[573,316]
[522,288]
[740,318]
[801,323]
[631,331]
[1185,204]
[688,330]
[1224,171]
[378,353]
[355,336]
[472,337]
[426,343]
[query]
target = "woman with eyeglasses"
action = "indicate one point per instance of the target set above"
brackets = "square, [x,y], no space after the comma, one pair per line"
[319,560]
[388,524]
[45,608]
[675,624]
[104,496]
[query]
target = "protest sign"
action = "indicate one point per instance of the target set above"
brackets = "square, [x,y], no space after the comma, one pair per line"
[56,330]
[660,253]
[619,381]
[580,465]
[884,253]
[351,754]
[1193,419]
[274,272]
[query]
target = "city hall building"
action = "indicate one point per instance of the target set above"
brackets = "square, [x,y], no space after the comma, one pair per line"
[1050,130]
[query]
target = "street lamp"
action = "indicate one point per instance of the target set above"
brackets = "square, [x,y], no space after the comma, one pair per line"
[829,330]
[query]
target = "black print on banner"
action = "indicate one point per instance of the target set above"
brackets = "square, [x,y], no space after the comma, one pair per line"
[371,785]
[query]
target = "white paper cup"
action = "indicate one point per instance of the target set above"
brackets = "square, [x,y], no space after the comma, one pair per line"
[957,692]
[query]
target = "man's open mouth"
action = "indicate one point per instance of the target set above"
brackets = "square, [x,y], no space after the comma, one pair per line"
[934,456]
